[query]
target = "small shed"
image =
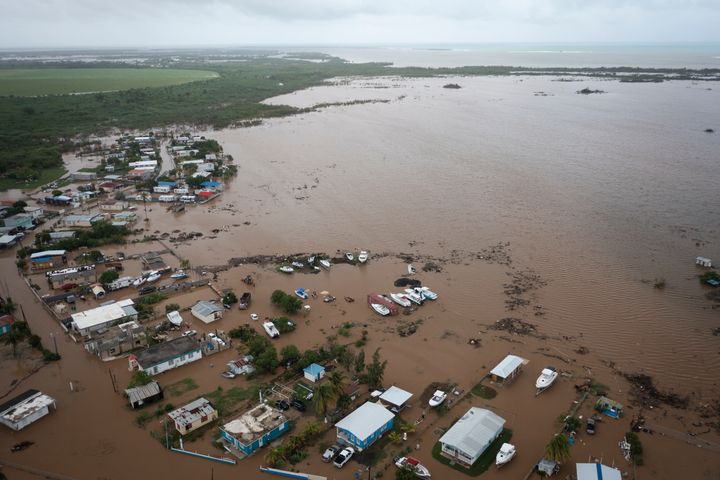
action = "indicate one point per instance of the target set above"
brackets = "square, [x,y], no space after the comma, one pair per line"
[139,396]
[98,291]
[609,407]
[396,397]
[508,369]
[548,467]
[207,311]
[703,262]
[314,372]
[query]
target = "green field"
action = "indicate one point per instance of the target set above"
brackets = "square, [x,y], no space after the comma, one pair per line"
[54,81]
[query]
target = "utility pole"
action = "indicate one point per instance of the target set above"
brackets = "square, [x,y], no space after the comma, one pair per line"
[112,380]
[52,335]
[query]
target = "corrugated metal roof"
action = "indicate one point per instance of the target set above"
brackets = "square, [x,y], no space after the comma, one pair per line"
[396,396]
[366,420]
[596,471]
[509,364]
[474,431]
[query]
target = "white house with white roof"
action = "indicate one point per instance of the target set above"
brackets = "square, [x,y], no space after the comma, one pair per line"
[465,441]
[103,316]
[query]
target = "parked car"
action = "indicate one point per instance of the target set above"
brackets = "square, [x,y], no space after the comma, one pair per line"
[189,333]
[343,457]
[298,405]
[590,426]
[330,453]
[282,405]
[146,290]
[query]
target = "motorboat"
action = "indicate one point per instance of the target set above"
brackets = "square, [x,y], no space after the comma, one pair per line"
[414,465]
[384,301]
[437,398]
[286,269]
[328,299]
[179,275]
[254,316]
[363,257]
[426,293]
[381,309]
[298,264]
[153,277]
[411,270]
[311,260]
[506,453]
[139,281]
[400,299]
[350,257]
[413,296]
[300,292]
[271,329]
[325,263]
[174,318]
[228,374]
[546,378]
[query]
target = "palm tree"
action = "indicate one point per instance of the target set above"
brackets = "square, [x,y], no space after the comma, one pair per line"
[323,396]
[16,335]
[395,437]
[337,380]
[558,449]
[275,457]
[407,427]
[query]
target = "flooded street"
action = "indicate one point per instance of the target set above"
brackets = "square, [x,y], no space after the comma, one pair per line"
[595,197]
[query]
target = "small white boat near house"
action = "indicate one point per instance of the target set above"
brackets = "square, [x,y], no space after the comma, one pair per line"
[179,275]
[414,465]
[363,257]
[271,329]
[139,281]
[154,276]
[506,453]
[437,398]
[349,256]
[400,299]
[547,377]
[381,309]
[174,318]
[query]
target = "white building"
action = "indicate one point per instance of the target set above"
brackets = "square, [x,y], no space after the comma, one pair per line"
[508,369]
[207,311]
[103,316]
[596,471]
[25,409]
[396,397]
[167,355]
[471,435]
[167,198]
[193,415]
[81,220]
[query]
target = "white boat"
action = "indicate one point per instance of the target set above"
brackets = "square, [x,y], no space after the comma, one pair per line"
[325,263]
[413,296]
[411,270]
[438,398]
[426,293]
[381,309]
[179,275]
[153,277]
[414,465]
[300,292]
[286,269]
[297,264]
[271,329]
[400,299]
[174,318]
[363,257]
[546,378]
[350,257]
[254,316]
[311,259]
[139,281]
[506,453]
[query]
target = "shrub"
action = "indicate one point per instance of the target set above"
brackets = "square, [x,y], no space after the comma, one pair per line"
[289,303]
[171,307]
[229,298]
[109,276]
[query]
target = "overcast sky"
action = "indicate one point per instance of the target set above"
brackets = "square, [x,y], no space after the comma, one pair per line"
[107,23]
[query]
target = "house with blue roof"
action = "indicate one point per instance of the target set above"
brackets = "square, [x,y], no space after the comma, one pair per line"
[166,183]
[210,184]
[314,372]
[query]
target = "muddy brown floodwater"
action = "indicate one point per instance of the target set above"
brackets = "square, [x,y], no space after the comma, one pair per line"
[584,200]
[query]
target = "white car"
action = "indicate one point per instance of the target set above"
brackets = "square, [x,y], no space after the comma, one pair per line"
[343,457]
[189,333]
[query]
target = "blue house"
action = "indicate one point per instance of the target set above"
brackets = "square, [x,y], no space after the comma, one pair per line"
[210,184]
[365,425]
[254,429]
[314,372]
[166,183]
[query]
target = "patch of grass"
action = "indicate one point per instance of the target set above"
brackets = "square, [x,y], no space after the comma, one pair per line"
[484,391]
[180,387]
[26,82]
[46,176]
[226,401]
[483,463]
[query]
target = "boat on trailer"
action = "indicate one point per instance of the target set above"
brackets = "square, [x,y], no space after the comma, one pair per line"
[414,465]
[437,399]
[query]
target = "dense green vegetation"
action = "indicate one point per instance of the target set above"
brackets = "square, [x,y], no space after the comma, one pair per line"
[286,301]
[101,233]
[27,82]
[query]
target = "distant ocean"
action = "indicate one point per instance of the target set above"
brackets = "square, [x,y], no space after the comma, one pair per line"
[535,55]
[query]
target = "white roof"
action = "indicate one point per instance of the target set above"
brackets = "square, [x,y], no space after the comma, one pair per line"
[7,239]
[28,406]
[596,471]
[509,364]
[366,420]
[48,253]
[205,308]
[102,314]
[396,396]
[474,431]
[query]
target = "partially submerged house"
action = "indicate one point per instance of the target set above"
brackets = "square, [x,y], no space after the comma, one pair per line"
[22,221]
[254,428]
[508,369]
[144,394]
[48,259]
[193,415]
[73,275]
[207,311]
[396,398]
[104,316]
[26,408]
[242,366]
[81,221]
[7,241]
[470,436]
[116,340]
[362,427]
[596,471]
[167,355]
[314,372]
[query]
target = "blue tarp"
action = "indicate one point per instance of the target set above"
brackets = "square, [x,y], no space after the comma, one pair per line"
[210,184]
